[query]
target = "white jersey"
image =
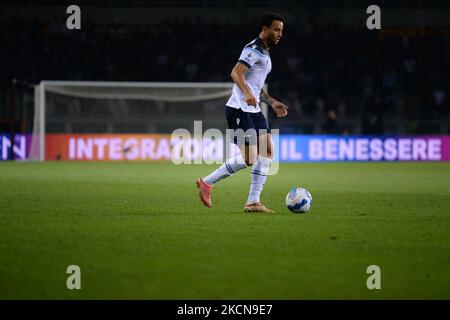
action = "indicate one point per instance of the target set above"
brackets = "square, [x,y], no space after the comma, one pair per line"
[257,59]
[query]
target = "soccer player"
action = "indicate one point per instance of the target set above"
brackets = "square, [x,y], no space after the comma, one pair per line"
[243,112]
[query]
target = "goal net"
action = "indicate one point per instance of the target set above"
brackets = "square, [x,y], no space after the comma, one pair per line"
[80,107]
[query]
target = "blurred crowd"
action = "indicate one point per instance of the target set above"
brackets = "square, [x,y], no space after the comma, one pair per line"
[331,74]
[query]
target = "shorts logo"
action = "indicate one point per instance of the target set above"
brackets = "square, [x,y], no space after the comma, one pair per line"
[237,121]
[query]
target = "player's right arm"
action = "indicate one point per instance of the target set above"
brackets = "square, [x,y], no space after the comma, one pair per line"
[237,74]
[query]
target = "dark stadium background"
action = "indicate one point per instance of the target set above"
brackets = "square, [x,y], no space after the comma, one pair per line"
[334,74]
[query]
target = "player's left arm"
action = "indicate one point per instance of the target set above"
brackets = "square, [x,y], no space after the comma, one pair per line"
[277,106]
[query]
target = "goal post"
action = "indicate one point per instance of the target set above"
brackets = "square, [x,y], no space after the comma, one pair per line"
[96,107]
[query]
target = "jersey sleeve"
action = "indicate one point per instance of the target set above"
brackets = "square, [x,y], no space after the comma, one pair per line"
[249,57]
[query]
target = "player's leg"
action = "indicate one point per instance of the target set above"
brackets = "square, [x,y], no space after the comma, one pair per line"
[227,169]
[261,166]
[249,153]
[259,174]
[236,119]
[230,166]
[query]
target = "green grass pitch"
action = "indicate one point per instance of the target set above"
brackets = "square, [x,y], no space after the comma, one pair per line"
[139,231]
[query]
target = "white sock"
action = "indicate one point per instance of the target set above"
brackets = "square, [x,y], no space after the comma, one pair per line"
[259,175]
[229,167]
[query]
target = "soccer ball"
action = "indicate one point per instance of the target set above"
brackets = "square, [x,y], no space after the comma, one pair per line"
[298,200]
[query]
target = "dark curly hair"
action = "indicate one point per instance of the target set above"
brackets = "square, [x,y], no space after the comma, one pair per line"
[268,18]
